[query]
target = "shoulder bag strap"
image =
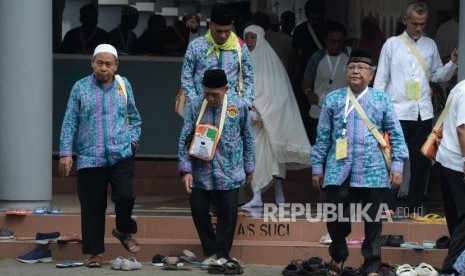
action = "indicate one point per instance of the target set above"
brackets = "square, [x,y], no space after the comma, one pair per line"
[365,119]
[315,39]
[223,114]
[120,81]
[443,115]
[417,55]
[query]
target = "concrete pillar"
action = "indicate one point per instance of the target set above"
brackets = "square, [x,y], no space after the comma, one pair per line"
[25,103]
[461,73]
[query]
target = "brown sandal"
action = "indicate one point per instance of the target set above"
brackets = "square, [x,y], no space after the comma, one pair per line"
[95,261]
[127,240]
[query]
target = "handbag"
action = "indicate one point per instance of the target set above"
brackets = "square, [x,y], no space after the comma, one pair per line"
[437,97]
[431,145]
[206,136]
[383,140]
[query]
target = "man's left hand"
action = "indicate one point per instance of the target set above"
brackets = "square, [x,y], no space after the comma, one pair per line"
[395,179]
[249,178]
[454,56]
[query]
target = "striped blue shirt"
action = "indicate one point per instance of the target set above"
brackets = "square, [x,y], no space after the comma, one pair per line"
[196,63]
[99,124]
[235,153]
[364,163]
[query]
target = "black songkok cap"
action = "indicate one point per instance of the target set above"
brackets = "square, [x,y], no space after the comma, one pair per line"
[221,14]
[360,56]
[315,6]
[214,78]
[129,11]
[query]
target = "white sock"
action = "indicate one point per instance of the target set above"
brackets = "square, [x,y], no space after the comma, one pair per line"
[278,192]
[255,202]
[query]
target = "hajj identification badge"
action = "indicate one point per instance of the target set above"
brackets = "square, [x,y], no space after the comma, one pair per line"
[341,148]
[204,142]
[413,90]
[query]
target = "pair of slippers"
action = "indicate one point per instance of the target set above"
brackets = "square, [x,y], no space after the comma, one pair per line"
[20,211]
[418,246]
[392,240]
[42,210]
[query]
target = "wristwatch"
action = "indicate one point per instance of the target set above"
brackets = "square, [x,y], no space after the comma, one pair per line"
[307,91]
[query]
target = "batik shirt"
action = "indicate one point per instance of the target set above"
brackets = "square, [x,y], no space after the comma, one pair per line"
[196,63]
[99,123]
[364,163]
[235,153]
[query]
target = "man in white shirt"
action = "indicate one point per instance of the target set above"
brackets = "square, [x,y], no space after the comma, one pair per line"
[451,162]
[325,72]
[407,63]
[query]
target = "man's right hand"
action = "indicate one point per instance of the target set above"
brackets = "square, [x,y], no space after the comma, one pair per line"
[317,181]
[187,180]
[64,167]
[312,98]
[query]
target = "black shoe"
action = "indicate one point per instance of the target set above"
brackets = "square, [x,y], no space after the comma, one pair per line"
[443,242]
[396,240]
[385,240]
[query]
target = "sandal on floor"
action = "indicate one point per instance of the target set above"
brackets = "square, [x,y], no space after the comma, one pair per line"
[425,269]
[69,265]
[95,261]
[292,269]
[127,240]
[412,245]
[405,270]
[233,268]
[333,269]
[216,269]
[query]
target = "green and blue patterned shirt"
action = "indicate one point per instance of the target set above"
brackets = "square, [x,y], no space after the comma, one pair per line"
[364,163]
[99,124]
[235,153]
[196,63]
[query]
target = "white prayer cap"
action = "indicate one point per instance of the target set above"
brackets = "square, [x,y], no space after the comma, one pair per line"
[105,48]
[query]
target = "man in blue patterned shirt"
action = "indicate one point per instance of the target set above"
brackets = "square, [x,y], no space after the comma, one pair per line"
[219,48]
[232,165]
[348,163]
[103,124]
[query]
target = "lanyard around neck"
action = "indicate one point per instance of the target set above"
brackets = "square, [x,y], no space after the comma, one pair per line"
[331,69]
[223,114]
[348,109]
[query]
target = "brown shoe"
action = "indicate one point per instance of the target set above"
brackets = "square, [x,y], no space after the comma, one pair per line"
[127,240]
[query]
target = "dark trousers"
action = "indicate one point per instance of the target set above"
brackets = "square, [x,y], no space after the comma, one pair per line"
[92,193]
[218,243]
[338,231]
[415,133]
[304,106]
[453,195]
[313,123]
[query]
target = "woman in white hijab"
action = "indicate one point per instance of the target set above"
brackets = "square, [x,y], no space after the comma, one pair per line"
[280,139]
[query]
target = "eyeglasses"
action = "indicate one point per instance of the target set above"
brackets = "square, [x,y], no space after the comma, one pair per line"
[359,67]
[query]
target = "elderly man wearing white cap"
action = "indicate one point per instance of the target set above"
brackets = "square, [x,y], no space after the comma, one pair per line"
[103,124]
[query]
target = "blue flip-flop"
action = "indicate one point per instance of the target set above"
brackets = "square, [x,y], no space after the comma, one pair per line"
[429,244]
[54,210]
[69,264]
[412,245]
[41,210]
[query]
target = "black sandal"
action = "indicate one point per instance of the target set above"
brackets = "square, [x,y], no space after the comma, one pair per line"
[333,269]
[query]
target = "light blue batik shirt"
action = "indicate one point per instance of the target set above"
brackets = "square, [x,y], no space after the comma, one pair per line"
[99,124]
[364,163]
[196,62]
[235,153]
